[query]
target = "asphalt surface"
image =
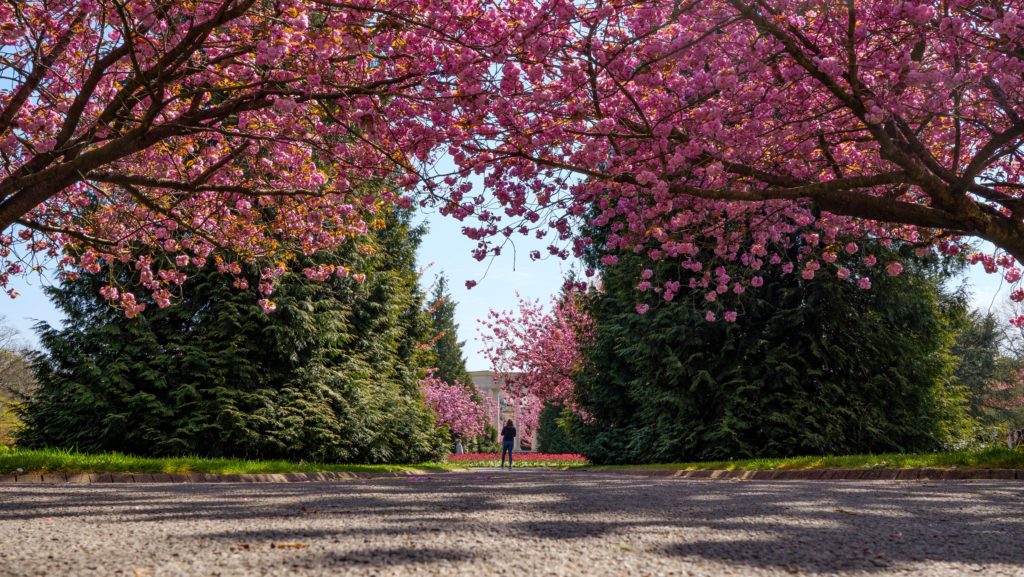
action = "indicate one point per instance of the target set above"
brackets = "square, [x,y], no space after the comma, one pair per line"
[517,523]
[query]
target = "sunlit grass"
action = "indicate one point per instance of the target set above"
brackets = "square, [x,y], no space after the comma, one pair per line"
[53,460]
[989,458]
[73,462]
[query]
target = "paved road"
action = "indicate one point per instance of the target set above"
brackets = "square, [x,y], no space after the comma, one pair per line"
[516,523]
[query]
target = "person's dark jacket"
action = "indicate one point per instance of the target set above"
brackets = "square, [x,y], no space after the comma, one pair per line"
[508,434]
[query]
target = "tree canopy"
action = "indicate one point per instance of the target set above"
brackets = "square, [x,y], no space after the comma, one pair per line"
[162,134]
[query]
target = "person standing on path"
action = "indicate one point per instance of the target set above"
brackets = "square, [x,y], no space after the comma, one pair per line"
[508,440]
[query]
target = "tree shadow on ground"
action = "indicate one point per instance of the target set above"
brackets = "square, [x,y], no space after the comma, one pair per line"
[810,526]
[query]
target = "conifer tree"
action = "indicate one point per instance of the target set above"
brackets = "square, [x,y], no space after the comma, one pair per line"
[331,375]
[447,359]
[807,367]
[449,362]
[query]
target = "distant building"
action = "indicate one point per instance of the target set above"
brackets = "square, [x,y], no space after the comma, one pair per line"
[489,384]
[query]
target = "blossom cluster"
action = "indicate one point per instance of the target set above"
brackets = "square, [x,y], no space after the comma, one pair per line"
[537,353]
[456,407]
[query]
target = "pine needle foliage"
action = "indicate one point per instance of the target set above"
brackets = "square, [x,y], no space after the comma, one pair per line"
[809,368]
[448,361]
[331,376]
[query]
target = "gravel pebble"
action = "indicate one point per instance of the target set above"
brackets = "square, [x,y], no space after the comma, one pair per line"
[514,523]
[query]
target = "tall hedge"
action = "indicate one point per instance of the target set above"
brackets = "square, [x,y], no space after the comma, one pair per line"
[809,368]
[331,375]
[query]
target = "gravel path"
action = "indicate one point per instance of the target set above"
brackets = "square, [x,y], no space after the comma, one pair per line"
[518,523]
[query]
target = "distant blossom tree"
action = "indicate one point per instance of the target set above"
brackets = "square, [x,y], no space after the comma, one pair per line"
[456,407]
[538,353]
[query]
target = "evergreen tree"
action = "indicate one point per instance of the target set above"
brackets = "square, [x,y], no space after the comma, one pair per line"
[331,375]
[552,436]
[449,363]
[990,367]
[808,368]
[447,358]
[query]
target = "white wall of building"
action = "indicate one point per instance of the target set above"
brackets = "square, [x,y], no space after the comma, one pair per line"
[490,385]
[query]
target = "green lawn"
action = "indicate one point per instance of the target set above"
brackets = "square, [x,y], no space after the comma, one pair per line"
[72,462]
[990,458]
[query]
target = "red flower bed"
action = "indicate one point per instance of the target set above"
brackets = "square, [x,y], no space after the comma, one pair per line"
[522,459]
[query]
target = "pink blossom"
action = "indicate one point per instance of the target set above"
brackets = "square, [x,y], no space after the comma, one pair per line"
[455,406]
[894,268]
[864,283]
[709,316]
[729,316]
[538,353]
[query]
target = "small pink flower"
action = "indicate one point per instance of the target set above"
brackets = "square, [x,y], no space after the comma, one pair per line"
[729,316]
[647,273]
[864,283]
[709,316]
[642,309]
[756,281]
[711,296]
[851,248]
[870,260]
[894,268]
[843,273]
[267,305]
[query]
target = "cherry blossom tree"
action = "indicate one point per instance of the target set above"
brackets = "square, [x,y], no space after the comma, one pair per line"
[169,132]
[537,353]
[456,407]
[763,132]
[747,125]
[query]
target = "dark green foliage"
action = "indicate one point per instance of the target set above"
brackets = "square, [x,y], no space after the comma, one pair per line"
[448,362]
[331,376]
[486,443]
[809,368]
[552,436]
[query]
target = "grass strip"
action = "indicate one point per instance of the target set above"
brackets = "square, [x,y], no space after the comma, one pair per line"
[989,458]
[67,461]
